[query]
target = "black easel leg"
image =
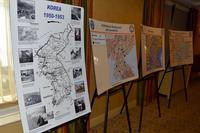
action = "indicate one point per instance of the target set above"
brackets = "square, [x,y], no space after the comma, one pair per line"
[84,121]
[141,110]
[170,93]
[126,97]
[126,106]
[162,80]
[106,112]
[93,98]
[185,88]
[88,116]
[157,96]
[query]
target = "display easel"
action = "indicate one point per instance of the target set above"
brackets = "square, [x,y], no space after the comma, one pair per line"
[142,79]
[173,69]
[150,76]
[109,93]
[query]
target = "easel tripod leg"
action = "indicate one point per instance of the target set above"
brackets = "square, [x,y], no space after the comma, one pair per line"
[126,97]
[106,112]
[185,88]
[170,93]
[157,96]
[127,112]
[88,116]
[141,109]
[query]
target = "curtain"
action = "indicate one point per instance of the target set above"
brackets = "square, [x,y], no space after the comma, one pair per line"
[7,84]
[153,16]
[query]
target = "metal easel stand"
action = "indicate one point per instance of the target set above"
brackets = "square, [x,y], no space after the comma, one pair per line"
[142,99]
[153,75]
[108,94]
[173,69]
[86,118]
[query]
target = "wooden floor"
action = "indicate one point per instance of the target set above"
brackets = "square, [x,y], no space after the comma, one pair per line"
[182,117]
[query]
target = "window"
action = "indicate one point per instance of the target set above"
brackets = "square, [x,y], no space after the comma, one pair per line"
[7,84]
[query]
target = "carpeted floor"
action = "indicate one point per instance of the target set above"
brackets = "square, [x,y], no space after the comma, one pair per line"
[182,117]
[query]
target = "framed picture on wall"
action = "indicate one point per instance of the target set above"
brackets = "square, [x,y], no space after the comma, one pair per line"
[153,49]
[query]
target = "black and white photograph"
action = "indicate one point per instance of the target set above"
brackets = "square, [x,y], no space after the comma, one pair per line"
[25,55]
[76,13]
[50,115]
[27,34]
[79,105]
[77,73]
[32,98]
[26,10]
[77,34]
[79,87]
[37,117]
[27,75]
[76,53]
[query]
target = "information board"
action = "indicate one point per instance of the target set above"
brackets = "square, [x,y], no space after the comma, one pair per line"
[49,62]
[181,47]
[153,49]
[114,54]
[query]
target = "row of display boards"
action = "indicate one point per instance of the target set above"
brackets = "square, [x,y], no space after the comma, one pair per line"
[49,59]
[115,52]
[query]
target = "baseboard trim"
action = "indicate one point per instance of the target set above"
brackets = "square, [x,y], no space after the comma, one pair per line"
[112,113]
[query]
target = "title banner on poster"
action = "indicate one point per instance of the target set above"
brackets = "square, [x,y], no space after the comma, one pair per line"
[114,51]
[49,62]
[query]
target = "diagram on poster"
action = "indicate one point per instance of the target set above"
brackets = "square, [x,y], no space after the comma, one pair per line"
[48,49]
[114,51]
[152,40]
[181,47]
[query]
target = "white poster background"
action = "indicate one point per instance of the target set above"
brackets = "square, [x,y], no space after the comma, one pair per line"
[49,62]
[114,53]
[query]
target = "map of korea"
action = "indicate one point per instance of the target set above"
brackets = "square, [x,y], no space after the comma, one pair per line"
[181,50]
[154,52]
[118,48]
[52,68]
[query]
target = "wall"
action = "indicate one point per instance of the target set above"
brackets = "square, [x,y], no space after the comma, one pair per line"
[116,11]
[12,128]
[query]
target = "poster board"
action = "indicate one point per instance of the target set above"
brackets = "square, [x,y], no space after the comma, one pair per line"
[181,47]
[114,53]
[153,49]
[49,62]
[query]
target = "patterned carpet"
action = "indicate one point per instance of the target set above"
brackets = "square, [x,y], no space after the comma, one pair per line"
[182,117]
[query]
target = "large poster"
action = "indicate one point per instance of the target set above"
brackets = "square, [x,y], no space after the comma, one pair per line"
[153,50]
[181,47]
[49,61]
[114,53]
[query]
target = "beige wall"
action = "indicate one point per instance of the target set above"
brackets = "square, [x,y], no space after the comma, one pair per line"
[12,128]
